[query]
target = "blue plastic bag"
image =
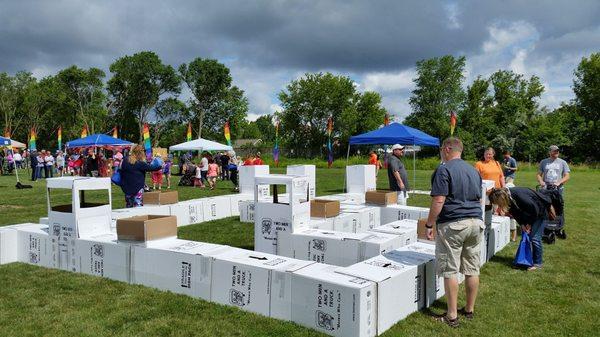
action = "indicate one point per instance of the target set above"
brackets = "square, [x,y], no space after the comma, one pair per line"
[524,255]
[116,177]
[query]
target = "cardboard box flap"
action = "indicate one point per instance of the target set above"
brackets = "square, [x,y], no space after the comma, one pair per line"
[320,271]
[161,198]
[376,269]
[381,197]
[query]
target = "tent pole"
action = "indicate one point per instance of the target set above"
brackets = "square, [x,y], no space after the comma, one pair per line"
[347,158]
[414,167]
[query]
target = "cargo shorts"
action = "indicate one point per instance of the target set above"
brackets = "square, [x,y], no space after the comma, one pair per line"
[457,247]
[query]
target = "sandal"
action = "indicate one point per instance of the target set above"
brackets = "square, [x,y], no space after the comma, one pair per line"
[468,315]
[453,323]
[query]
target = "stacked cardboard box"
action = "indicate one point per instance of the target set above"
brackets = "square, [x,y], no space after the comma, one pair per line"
[393,213]
[247,173]
[360,178]
[34,245]
[103,256]
[310,172]
[406,229]
[339,248]
[8,245]
[334,303]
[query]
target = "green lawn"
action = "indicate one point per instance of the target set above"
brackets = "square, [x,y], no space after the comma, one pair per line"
[562,299]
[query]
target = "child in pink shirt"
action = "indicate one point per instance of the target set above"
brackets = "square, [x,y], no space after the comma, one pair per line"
[213,173]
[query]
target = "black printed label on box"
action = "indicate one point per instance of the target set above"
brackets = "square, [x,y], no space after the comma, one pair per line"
[186,275]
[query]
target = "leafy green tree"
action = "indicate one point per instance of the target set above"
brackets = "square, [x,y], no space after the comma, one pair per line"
[12,94]
[438,92]
[309,102]
[251,131]
[586,86]
[138,83]
[266,128]
[170,113]
[215,100]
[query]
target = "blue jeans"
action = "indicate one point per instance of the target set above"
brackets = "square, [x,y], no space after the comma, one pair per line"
[537,229]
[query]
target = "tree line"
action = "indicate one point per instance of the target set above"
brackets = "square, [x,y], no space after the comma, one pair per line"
[501,110]
[141,89]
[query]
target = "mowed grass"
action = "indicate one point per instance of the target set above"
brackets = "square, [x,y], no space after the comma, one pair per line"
[562,299]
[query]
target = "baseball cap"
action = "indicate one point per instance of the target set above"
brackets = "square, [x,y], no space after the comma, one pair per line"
[397,146]
[553,148]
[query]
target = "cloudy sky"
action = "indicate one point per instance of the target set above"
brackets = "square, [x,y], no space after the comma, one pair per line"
[268,43]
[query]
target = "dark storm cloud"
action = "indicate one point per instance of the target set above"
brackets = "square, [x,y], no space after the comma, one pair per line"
[354,36]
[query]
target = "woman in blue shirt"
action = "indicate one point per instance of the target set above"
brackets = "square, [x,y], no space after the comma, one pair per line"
[133,176]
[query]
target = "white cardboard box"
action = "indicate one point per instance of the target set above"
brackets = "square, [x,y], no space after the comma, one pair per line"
[276,219]
[135,211]
[400,291]
[310,172]
[330,247]
[35,245]
[346,198]
[368,217]
[325,224]
[216,208]
[236,199]
[8,245]
[333,303]
[406,229]
[255,281]
[393,213]
[188,212]
[102,256]
[246,211]
[180,266]
[43,220]
[360,178]
[247,173]
[379,243]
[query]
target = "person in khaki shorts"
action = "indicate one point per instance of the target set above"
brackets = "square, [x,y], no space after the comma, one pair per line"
[456,212]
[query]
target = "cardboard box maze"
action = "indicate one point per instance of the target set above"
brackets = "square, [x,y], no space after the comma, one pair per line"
[354,283]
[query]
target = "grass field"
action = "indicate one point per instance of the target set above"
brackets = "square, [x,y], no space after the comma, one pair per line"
[562,299]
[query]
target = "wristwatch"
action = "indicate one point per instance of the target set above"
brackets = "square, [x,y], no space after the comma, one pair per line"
[428,226]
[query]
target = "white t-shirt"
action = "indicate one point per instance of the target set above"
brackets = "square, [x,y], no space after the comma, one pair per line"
[204,163]
[60,161]
[198,174]
[49,160]
[17,157]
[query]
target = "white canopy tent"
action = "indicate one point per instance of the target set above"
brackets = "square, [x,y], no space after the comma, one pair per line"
[200,144]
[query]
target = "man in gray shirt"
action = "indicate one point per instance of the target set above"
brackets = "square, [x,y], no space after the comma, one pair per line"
[397,175]
[456,212]
[553,171]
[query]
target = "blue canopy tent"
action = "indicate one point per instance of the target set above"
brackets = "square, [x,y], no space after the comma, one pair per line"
[4,141]
[395,133]
[99,140]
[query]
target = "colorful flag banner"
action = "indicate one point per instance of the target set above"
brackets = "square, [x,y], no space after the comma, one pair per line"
[59,137]
[452,122]
[189,132]
[227,133]
[84,131]
[386,119]
[276,147]
[32,140]
[115,132]
[147,144]
[329,145]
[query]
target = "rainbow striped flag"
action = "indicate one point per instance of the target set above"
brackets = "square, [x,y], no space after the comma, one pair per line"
[59,137]
[276,147]
[189,132]
[147,144]
[227,133]
[329,145]
[32,140]
[84,131]
[115,132]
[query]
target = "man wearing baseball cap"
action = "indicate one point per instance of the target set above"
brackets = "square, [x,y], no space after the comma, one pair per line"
[397,175]
[553,171]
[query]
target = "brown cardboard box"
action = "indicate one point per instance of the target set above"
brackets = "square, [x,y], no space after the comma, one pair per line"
[161,198]
[422,230]
[321,208]
[381,197]
[147,227]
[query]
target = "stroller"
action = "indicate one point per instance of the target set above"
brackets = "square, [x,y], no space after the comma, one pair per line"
[554,228]
[188,176]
